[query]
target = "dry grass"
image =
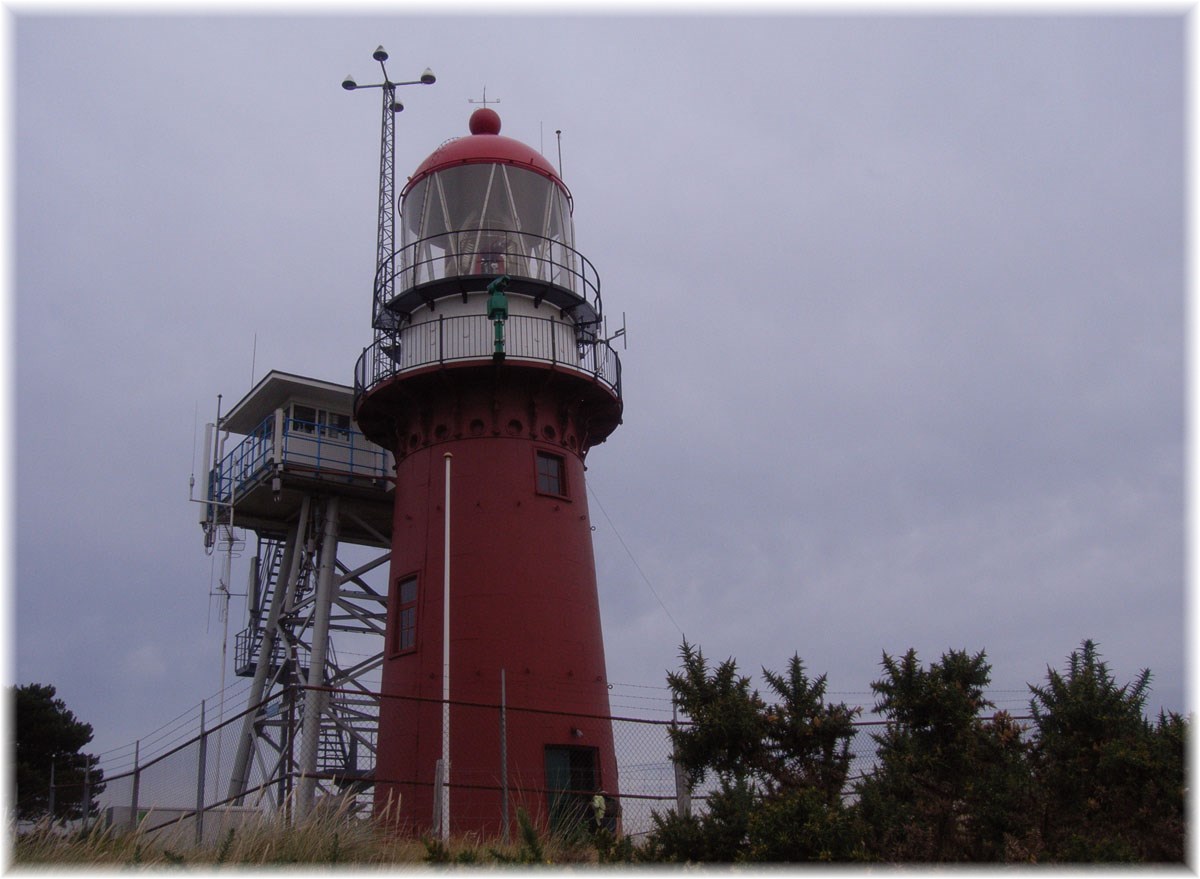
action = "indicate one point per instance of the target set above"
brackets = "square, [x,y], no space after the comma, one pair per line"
[328,839]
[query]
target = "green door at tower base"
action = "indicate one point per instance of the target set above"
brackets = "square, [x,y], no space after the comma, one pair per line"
[572,778]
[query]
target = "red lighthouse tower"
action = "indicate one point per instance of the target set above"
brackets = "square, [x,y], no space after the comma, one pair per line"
[489,382]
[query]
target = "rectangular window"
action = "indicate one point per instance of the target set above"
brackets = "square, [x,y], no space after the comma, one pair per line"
[404,619]
[334,424]
[304,419]
[551,474]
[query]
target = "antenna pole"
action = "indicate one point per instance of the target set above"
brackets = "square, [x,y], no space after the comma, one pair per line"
[385,241]
[445,816]
[558,134]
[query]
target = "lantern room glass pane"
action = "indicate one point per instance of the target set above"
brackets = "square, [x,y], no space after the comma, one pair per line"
[491,196]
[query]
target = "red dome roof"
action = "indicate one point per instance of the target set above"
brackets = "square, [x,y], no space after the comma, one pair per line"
[484,145]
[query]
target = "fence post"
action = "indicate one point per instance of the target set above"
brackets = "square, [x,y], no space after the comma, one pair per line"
[86,802]
[201,772]
[137,774]
[503,760]
[441,339]
[439,792]
[683,793]
[51,802]
[287,776]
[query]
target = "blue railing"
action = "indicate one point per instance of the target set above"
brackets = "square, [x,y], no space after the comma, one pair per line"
[320,448]
[472,337]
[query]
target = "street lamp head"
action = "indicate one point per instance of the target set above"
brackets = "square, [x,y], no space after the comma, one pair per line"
[380,54]
[349,84]
[427,77]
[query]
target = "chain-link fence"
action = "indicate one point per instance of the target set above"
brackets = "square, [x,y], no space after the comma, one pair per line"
[183,789]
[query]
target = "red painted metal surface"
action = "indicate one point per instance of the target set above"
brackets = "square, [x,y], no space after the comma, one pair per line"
[523,589]
[484,146]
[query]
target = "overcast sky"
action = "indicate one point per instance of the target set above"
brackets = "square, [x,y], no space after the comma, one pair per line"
[904,295]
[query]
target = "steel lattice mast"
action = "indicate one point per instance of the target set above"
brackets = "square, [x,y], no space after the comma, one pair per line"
[381,319]
[386,244]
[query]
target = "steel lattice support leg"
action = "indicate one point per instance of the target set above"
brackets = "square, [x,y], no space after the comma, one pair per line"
[290,567]
[316,699]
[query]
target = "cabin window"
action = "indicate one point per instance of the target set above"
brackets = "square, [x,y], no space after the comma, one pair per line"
[314,421]
[551,474]
[304,419]
[334,424]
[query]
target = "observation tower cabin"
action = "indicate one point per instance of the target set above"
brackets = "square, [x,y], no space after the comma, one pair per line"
[298,437]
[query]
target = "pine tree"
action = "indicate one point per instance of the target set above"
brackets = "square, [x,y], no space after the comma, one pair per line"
[1111,782]
[948,785]
[47,733]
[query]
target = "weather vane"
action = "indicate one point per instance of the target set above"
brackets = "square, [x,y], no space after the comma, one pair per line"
[485,100]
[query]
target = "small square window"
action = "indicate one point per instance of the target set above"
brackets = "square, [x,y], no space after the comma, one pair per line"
[551,474]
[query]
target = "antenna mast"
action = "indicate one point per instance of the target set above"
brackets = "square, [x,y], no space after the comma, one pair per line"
[386,239]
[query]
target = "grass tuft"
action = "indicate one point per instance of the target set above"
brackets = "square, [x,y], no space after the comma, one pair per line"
[332,835]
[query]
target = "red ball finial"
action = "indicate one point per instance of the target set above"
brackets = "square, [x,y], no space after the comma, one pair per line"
[485,121]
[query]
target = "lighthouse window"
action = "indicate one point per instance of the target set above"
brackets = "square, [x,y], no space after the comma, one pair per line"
[551,474]
[404,625]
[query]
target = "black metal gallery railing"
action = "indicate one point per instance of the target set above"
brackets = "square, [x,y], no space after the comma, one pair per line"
[473,337]
[448,256]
